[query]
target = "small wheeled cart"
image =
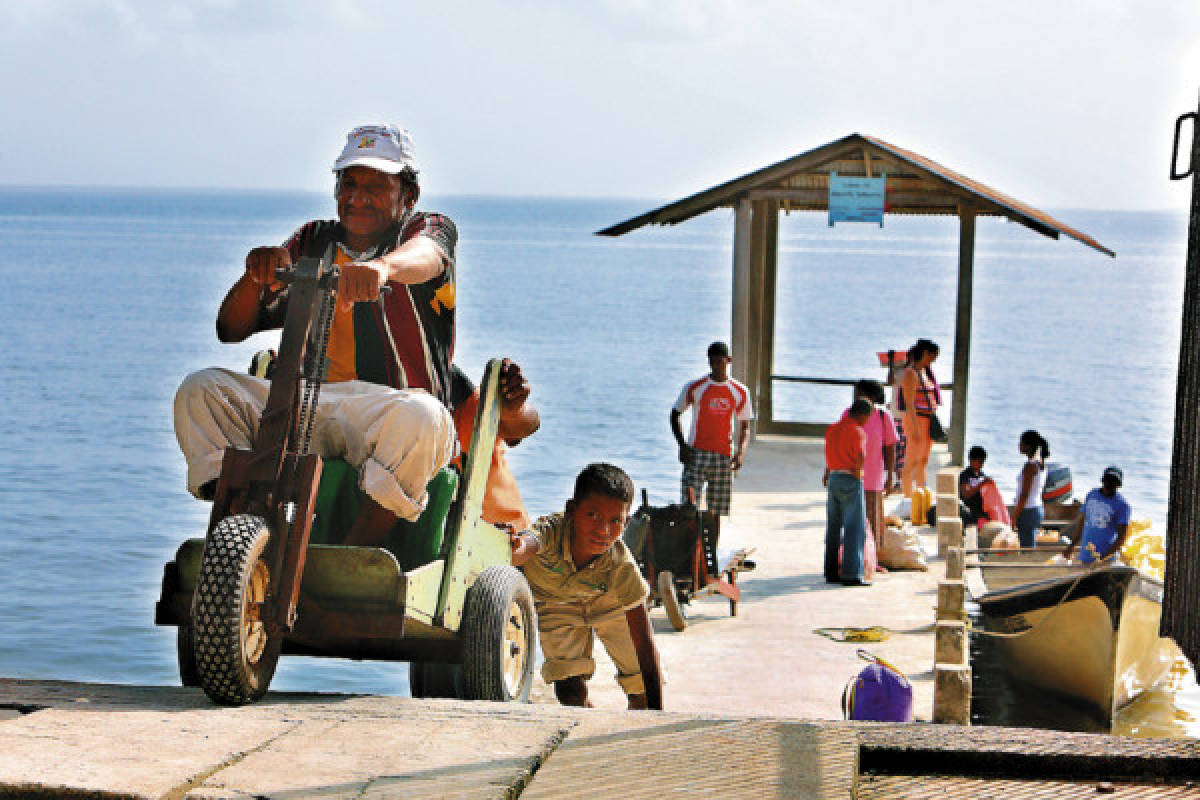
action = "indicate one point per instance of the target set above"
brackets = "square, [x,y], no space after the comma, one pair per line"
[676,548]
[271,578]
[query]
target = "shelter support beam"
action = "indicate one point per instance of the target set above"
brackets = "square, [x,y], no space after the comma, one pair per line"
[742,251]
[962,332]
[754,312]
[1181,592]
[763,408]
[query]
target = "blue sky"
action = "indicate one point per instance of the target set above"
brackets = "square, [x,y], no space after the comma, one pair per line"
[1064,103]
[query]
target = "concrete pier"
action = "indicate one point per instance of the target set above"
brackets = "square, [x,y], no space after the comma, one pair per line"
[753,708]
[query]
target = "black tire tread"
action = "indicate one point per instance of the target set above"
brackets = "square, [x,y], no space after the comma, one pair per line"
[482,634]
[229,554]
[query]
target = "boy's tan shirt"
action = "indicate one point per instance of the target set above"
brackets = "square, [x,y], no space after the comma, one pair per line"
[554,578]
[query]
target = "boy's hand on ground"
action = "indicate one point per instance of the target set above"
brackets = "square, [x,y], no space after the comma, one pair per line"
[736,462]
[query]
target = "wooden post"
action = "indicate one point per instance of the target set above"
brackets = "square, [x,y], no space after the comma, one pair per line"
[950,642]
[1181,591]
[742,240]
[754,299]
[947,506]
[947,480]
[951,670]
[962,333]
[764,410]
[956,562]
[952,694]
[952,600]
[949,533]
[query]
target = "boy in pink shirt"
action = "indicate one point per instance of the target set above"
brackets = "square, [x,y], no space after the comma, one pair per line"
[879,469]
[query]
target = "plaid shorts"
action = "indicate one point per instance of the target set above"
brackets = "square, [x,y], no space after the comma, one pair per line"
[713,469]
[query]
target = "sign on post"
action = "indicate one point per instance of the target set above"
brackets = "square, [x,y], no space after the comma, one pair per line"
[856,199]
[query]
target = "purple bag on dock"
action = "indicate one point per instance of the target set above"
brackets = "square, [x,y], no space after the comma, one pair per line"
[879,693]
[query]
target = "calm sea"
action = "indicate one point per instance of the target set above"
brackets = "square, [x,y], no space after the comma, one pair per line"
[111,296]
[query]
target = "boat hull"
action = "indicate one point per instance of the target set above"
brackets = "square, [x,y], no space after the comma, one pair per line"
[1090,634]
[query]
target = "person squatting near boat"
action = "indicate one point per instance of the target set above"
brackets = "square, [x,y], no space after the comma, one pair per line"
[586,584]
[845,513]
[383,406]
[970,485]
[721,414]
[917,397]
[1103,523]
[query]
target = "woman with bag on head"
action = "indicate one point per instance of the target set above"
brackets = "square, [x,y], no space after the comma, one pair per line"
[1028,512]
[917,398]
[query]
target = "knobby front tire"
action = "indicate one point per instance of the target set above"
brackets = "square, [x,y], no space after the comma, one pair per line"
[235,657]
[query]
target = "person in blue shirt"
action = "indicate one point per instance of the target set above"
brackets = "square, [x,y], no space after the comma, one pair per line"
[1102,527]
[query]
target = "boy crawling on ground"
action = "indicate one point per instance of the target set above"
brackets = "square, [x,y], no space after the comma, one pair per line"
[585,583]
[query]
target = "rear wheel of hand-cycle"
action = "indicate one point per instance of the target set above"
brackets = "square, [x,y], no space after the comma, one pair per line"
[669,596]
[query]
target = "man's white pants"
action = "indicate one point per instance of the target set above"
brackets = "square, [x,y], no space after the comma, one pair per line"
[397,439]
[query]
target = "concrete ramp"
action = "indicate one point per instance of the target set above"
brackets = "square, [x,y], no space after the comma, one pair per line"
[81,740]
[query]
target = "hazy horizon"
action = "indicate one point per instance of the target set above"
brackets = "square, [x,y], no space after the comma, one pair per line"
[1070,104]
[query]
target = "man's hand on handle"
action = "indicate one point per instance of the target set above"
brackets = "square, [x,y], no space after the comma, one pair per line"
[262,263]
[360,282]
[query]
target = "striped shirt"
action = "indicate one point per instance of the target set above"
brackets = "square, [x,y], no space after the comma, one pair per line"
[419,317]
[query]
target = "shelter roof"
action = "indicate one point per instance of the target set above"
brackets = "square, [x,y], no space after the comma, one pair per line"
[915,185]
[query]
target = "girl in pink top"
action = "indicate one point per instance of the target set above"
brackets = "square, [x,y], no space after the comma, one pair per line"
[879,469]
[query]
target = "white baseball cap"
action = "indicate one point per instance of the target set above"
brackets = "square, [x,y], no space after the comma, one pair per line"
[387,148]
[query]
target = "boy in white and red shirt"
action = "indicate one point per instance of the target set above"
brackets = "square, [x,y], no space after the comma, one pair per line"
[720,406]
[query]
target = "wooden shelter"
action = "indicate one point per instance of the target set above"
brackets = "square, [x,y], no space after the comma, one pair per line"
[914,185]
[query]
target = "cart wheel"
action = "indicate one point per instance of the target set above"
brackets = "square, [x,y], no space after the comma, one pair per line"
[498,637]
[670,600]
[235,658]
[732,602]
[435,679]
[186,654]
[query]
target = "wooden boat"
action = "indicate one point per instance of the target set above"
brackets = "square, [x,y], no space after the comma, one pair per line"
[1089,633]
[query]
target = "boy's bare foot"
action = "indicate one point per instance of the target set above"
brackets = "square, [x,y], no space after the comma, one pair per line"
[572,692]
[638,702]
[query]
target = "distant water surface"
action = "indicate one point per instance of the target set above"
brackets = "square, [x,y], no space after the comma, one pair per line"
[111,296]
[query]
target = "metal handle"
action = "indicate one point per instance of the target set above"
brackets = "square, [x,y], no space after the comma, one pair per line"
[1176,176]
[286,275]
